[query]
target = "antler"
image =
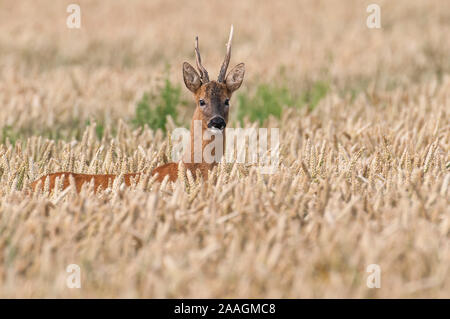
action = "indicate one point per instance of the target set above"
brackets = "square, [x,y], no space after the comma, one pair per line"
[223,69]
[203,73]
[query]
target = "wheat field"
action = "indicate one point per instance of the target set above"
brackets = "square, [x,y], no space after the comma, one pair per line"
[363,176]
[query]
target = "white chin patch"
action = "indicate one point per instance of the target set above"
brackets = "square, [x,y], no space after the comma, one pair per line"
[214,130]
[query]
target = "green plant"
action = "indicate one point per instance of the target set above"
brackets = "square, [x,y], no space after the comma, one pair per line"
[270,100]
[65,130]
[8,133]
[314,94]
[99,128]
[165,103]
[266,101]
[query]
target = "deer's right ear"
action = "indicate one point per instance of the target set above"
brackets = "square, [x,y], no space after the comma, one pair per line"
[191,78]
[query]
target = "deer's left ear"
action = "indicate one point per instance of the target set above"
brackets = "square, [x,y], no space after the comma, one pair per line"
[235,77]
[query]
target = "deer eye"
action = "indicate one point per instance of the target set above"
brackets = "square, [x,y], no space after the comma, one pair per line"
[202,102]
[227,102]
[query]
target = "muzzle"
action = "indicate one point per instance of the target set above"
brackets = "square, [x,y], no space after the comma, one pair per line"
[217,123]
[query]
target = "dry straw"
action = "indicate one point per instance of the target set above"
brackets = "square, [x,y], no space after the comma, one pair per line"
[363,178]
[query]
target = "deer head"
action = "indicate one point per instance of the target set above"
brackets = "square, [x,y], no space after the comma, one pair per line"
[213,97]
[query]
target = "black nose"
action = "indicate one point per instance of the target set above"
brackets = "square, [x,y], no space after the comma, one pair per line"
[217,122]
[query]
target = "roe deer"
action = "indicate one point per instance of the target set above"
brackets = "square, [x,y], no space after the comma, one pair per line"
[212,105]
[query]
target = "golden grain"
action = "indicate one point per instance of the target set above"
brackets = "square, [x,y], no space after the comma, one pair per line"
[362,179]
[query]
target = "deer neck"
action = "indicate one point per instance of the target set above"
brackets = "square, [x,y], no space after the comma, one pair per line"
[202,144]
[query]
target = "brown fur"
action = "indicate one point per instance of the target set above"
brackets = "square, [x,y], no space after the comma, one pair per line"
[213,93]
[102,181]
